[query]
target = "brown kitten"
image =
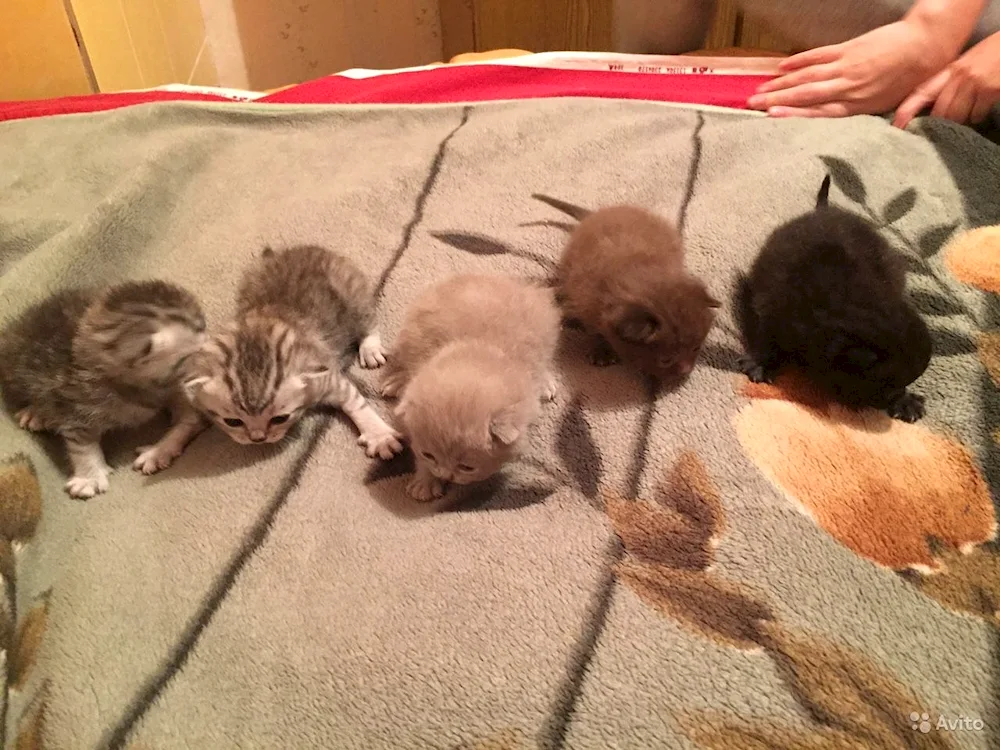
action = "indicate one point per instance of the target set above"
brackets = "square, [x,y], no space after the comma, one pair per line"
[85,362]
[300,315]
[470,366]
[622,276]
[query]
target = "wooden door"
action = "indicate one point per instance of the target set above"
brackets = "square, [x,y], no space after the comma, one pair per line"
[137,44]
[39,56]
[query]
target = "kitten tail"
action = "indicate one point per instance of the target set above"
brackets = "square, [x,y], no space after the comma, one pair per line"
[575,212]
[823,199]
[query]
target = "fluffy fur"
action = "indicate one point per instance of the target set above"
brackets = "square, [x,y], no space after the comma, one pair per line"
[301,315]
[85,362]
[470,367]
[826,293]
[622,277]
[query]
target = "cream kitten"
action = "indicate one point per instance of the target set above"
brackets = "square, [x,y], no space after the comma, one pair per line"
[299,315]
[85,362]
[470,366]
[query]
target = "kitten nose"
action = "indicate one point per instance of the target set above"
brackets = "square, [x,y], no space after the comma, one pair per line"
[258,437]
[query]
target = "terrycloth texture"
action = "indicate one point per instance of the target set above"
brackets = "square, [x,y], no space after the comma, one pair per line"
[721,567]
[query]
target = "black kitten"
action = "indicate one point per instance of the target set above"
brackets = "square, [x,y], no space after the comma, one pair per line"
[826,294]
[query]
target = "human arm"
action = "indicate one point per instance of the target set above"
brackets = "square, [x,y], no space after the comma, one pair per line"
[874,72]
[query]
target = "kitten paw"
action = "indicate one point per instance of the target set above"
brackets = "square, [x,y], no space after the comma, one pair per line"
[370,353]
[86,487]
[604,356]
[908,407]
[756,373]
[425,489]
[154,458]
[382,443]
[27,420]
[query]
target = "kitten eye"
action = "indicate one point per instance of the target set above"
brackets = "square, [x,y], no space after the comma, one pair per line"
[466,468]
[280,419]
[147,349]
[429,457]
[233,422]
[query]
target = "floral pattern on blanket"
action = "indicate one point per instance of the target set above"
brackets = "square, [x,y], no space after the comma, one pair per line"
[20,636]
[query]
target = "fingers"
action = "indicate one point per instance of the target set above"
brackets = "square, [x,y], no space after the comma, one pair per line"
[829,109]
[812,74]
[817,56]
[983,107]
[806,95]
[955,102]
[922,96]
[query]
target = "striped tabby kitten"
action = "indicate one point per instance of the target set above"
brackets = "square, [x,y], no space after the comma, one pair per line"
[300,313]
[85,362]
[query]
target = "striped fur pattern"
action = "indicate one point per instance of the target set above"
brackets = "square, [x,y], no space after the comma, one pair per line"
[301,315]
[85,361]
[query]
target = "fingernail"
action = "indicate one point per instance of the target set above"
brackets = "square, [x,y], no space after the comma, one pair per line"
[755,102]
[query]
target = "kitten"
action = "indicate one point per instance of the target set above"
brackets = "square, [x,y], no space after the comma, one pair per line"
[470,366]
[300,314]
[622,277]
[85,362]
[826,293]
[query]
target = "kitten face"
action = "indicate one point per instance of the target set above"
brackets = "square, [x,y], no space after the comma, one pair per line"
[224,406]
[867,368]
[464,421]
[663,335]
[256,381]
[455,460]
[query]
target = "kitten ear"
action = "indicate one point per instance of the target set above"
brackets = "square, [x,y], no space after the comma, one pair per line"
[193,386]
[315,379]
[637,325]
[510,423]
[711,301]
[504,430]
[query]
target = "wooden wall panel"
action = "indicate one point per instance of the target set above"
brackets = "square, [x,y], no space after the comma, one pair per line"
[754,34]
[39,57]
[458,27]
[543,25]
[187,41]
[135,44]
[290,41]
[722,32]
[149,40]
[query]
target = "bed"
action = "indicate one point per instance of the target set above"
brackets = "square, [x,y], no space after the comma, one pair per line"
[728,566]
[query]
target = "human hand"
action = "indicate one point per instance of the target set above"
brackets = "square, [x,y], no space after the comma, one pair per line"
[963,92]
[869,74]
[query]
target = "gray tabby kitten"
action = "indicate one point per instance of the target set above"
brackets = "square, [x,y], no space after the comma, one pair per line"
[85,362]
[300,314]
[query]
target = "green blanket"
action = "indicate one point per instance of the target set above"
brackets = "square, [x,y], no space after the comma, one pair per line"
[724,567]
